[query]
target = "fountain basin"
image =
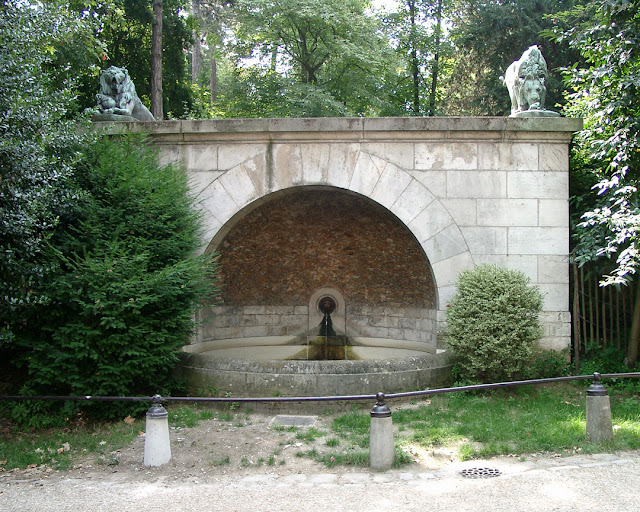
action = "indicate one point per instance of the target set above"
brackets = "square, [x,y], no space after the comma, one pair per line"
[262,367]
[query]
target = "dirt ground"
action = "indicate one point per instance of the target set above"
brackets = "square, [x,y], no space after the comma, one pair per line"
[232,443]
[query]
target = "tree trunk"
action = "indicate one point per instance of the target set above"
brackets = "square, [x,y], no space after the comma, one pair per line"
[196,52]
[634,337]
[435,67]
[577,343]
[415,68]
[156,61]
[213,81]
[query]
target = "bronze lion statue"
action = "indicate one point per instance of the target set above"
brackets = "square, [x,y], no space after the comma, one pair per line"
[118,95]
[526,81]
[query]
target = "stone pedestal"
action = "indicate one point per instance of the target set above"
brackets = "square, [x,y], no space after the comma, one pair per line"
[381,447]
[157,448]
[599,426]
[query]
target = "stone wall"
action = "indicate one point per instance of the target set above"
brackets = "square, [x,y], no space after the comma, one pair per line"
[237,322]
[469,190]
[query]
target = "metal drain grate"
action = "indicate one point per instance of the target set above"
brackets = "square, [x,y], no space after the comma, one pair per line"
[480,473]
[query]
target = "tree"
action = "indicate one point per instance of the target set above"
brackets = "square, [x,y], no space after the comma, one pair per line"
[210,25]
[416,31]
[39,146]
[156,61]
[126,283]
[606,93]
[331,45]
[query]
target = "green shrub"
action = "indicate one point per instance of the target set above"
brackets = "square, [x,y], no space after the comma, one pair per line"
[492,323]
[121,303]
[545,364]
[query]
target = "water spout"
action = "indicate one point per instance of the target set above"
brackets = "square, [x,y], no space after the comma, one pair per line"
[328,345]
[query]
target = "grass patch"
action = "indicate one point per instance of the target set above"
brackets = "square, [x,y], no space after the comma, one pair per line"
[222,461]
[525,421]
[474,425]
[61,448]
[188,416]
[309,435]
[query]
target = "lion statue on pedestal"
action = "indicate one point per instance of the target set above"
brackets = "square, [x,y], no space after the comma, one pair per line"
[118,97]
[526,81]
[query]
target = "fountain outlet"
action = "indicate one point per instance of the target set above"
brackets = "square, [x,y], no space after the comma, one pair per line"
[328,345]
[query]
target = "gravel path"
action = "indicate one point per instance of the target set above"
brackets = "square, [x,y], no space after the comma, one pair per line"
[586,483]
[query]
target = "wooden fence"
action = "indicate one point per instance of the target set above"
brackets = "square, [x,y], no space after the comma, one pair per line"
[602,317]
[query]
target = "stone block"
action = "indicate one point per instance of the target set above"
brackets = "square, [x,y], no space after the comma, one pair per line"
[255,310]
[392,183]
[366,174]
[476,184]
[287,166]
[430,221]
[525,264]
[218,202]
[201,157]
[446,155]
[239,186]
[445,244]
[342,161]
[558,344]
[507,156]
[556,296]
[199,181]
[554,212]
[255,331]
[538,240]
[169,155]
[398,154]
[553,269]
[507,212]
[446,272]
[538,185]
[314,159]
[485,240]
[413,199]
[231,155]
[554,157]
[434,181]
[463,211]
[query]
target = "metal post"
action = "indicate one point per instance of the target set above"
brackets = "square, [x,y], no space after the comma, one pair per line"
[381,447]
[599,426]
[157,448]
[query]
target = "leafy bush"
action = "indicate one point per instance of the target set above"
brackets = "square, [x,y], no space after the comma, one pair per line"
[545,364]
[39,144]
[609,360]
[122,302]
[492,322]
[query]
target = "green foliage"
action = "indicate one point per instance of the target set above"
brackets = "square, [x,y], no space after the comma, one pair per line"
[492,322]
[606,94]
[122,299]
[254,92]
[545,364]
[609,360]
[328,53]
[39,145]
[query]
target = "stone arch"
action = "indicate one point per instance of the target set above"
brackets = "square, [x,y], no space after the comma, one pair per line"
[230,195]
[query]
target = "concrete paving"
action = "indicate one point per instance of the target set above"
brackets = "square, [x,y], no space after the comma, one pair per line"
[602,482]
